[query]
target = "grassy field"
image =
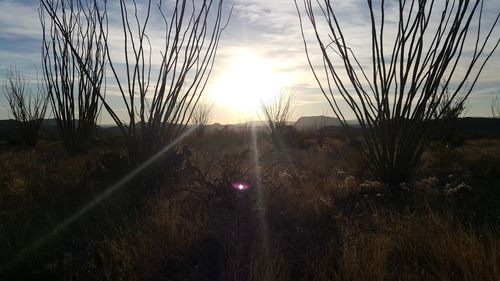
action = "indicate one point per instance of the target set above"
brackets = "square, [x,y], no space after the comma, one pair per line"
[312,212]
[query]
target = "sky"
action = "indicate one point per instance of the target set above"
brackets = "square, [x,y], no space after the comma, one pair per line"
[260,55]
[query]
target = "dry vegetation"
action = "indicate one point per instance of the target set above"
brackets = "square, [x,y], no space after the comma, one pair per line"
[160,204]
[324,216]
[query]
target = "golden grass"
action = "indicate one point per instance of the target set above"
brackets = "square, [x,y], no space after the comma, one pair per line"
[399,247]
[143,249]
[371,241]
[268,264]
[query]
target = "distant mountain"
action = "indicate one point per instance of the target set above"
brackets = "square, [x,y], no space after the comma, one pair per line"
[52,122]
[473,125]
[7,125]
[258,125]
[214,127]
[479,125]
[316,122]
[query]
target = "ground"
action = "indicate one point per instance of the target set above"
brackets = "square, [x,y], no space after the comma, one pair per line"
[311,211]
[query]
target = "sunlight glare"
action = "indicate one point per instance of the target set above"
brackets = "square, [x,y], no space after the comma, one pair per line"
[248,80]
[240,186]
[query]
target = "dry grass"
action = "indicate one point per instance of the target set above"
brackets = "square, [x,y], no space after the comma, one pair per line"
[399,247]
[268,263]
[151,247]
[326,218]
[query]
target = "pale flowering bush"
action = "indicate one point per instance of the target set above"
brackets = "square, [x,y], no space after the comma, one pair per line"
[370,186]
[458,190]
[347,188]
[350,183]
[428,183]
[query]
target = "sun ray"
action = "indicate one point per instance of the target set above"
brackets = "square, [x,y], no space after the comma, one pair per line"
[264,229]
[60,227]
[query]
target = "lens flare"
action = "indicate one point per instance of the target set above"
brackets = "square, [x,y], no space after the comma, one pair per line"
[240,186]
[108,192]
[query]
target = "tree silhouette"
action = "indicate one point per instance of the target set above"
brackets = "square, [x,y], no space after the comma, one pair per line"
[158,109]
[27,107]
[75,96]
[276,114]
[397,94]
[201,116]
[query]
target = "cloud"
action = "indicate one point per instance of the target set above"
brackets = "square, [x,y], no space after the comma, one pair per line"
[20,34]
[19,20]
[269,28]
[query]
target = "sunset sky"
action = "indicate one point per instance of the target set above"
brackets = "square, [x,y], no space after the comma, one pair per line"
[260,53]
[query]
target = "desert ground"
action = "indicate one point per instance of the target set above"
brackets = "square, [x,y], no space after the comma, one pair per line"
[228,205]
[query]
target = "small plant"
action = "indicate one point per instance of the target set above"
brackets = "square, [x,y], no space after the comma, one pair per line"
[448,111]
[276,114]
[201,116]
[495,107]
[27,107]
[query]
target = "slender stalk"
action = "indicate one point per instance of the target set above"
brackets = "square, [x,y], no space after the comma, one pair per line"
[158,109]
[73,81]
[27,107]
[276,114]
[400,93]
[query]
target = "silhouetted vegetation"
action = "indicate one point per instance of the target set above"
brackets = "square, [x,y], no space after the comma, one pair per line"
[26,105]
[328,217]
[151,200]
[158,109]
[276,113]
[401,90]
[201,116]
[71,48]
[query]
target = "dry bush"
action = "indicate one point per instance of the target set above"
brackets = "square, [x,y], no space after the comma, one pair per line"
[47,174]
[268,263]
[215,173]
[276,114]
[38,190]
[172,234]
[444,250]
[476,162]
[404,247]
[201,116]
[442,158]
[156,246]
[27,107]
[481,157]
[366,258]
[254,261]
[401,94]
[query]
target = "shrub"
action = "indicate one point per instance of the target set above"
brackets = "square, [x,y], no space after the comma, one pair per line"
[27,107]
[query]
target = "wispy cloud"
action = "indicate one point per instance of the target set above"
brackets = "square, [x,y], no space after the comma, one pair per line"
[19,19]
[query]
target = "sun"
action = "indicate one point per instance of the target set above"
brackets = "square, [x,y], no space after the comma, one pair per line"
[248,80]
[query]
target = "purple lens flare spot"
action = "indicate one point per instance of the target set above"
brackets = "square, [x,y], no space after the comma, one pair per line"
[240,186]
